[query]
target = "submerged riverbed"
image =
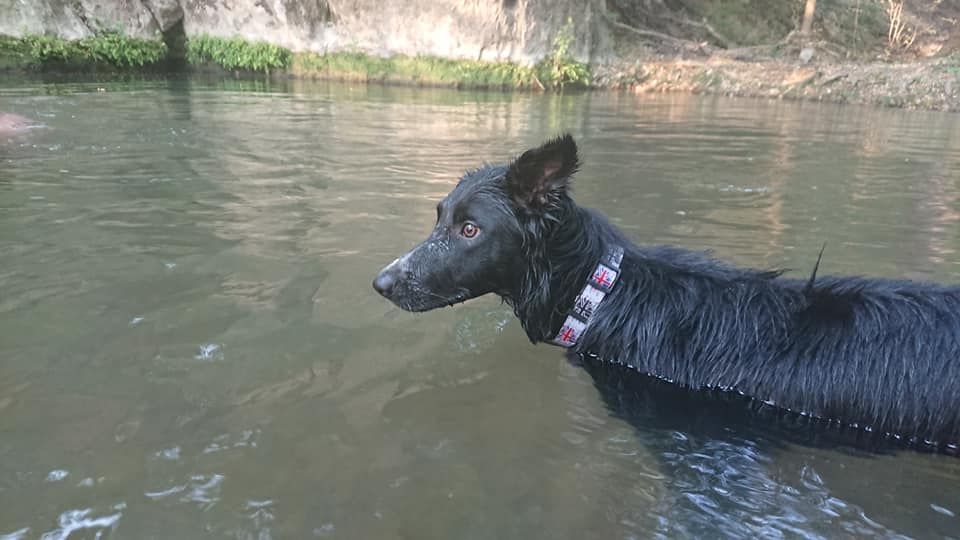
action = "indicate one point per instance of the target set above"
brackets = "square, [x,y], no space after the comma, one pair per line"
[191,348]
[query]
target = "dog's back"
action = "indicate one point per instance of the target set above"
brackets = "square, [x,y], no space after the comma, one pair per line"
[874,354]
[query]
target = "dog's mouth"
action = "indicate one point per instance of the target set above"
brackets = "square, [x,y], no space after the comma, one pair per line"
[415,298]
[420,305]
[410,288]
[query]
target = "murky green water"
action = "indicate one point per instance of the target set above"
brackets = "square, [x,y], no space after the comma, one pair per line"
[190,347]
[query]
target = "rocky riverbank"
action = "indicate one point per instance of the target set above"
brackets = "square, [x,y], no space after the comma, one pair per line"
[515,44]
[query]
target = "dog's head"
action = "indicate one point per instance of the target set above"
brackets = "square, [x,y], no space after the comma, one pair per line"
[478,243]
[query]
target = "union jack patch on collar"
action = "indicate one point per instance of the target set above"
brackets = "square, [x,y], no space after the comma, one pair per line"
[598,286]
[570,332]
[603,277]
[587,302]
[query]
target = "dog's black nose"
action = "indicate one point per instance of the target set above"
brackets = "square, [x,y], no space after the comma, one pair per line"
[384,283]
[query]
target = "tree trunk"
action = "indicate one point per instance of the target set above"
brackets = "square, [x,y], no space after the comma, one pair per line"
[808,17]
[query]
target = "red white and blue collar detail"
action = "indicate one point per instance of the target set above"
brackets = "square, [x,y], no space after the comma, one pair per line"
[598,286]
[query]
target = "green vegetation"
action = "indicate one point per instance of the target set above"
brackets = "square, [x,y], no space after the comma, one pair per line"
[433,71]
[417,70]
[559,68]
[107,49]
[557,71]
[237,54]
[10,55]
[111,49]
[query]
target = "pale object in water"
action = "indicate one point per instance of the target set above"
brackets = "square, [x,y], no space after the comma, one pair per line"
[11,124]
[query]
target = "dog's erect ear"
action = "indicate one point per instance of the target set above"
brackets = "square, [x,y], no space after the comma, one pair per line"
[541,175]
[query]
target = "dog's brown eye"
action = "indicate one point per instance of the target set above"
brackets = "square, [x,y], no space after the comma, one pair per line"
[469,230]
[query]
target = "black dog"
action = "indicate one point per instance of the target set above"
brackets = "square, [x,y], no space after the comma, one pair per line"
[879,355]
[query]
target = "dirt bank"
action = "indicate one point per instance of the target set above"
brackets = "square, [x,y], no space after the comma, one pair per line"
[891,53]
[932,84]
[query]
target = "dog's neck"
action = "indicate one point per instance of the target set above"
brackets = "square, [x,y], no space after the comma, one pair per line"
[592,294]
[562,252]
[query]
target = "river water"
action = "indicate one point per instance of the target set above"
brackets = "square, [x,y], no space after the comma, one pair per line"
[190,346]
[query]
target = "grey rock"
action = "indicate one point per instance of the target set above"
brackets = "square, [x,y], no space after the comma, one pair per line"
[22,17]
[76,19]
[517,30]
[130,17]
[166,13]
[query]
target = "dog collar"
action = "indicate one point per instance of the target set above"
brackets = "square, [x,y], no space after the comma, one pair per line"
[598,286]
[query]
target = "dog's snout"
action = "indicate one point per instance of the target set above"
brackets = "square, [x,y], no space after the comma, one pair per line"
[385,281]
[395,272]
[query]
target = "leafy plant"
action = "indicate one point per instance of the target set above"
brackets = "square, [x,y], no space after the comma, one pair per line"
[108,48]
[121,51]
[237,53]
[560,68]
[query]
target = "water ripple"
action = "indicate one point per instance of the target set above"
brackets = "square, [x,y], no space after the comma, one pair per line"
[72,521]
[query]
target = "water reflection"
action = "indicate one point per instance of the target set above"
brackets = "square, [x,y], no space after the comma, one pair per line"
[736,476]
[189,334]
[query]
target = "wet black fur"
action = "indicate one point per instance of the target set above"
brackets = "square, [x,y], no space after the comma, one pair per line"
[879,355]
